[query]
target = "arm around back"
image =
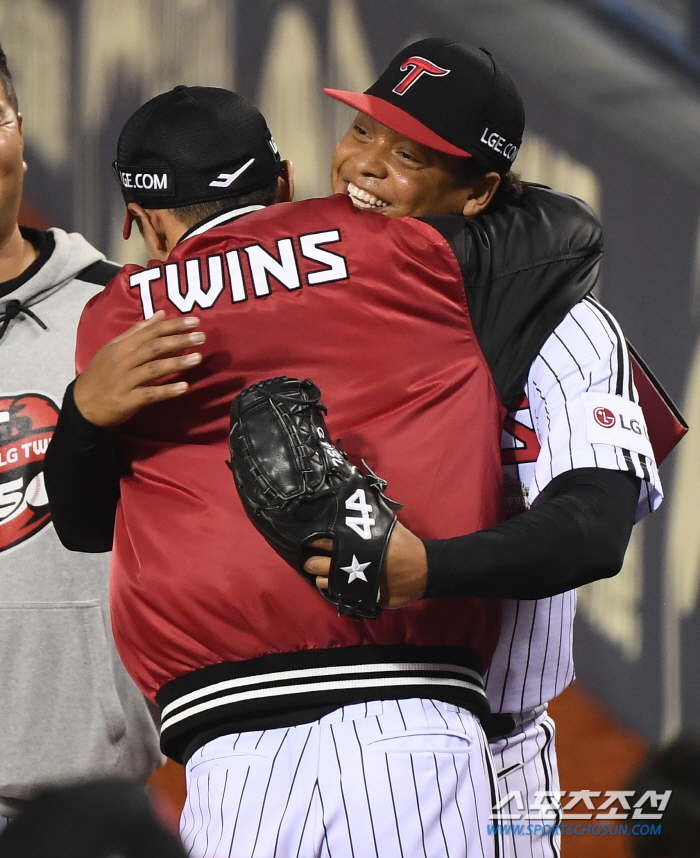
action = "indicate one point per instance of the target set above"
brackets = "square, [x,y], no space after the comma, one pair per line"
[82,469]
[83,466]
[577,533]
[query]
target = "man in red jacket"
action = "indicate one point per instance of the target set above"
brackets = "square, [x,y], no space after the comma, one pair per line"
[221,632]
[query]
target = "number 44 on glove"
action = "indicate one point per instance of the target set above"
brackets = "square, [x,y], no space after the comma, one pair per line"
[296,487]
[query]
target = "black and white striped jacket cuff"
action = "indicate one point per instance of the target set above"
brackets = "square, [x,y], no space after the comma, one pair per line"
[276,684]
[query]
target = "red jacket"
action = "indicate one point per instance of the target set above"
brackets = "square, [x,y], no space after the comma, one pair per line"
[374,311]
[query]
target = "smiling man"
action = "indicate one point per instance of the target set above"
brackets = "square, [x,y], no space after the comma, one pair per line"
[410,152]
[440,141]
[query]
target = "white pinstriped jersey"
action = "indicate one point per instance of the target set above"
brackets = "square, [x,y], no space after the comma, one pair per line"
[579,395]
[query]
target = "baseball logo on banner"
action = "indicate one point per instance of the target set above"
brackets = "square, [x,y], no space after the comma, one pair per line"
[27,422]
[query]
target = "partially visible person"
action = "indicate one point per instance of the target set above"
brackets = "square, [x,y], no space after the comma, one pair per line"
[672,775]
[68,709]
[94,819]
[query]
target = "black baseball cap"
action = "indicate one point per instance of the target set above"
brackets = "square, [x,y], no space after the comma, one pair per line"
[451,97]
[192,145]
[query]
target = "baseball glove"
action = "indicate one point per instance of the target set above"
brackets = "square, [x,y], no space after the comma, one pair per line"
[296,487]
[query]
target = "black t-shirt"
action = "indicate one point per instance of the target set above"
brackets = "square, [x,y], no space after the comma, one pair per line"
[45,243]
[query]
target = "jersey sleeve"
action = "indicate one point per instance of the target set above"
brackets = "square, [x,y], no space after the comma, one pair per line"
[585,408]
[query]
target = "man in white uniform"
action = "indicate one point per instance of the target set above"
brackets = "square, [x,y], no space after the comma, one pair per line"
[573,411]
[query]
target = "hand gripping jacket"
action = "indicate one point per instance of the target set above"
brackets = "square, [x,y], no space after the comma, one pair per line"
[296,486]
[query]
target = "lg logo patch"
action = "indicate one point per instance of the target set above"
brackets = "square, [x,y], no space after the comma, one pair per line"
[604,417]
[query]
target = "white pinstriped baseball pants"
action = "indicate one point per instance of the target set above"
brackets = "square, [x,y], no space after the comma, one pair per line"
[386,779]
[526,762]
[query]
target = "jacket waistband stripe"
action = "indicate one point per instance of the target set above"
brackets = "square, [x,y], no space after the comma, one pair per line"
[312,673]
[309,688]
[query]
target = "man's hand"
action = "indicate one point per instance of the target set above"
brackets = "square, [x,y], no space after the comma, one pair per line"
[120,379]
[405,573]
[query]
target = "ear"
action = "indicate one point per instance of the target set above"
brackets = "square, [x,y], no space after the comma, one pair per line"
[480,194]
[20,121]
[285,193]
[152,230]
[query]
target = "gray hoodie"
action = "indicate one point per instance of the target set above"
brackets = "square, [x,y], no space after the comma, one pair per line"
[68,709]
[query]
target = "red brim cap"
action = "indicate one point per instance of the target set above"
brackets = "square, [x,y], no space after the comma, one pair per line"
[128,220]
[396,119]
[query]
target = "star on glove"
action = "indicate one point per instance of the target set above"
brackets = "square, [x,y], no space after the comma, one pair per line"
[355,570]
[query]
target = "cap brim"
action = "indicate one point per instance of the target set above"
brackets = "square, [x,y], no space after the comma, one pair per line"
[396,119]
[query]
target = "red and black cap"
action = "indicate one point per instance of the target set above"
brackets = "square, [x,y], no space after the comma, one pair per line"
[451,97]
[192,145]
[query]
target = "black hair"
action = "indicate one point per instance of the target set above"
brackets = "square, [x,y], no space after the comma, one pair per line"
[195,213]
[509,190]
[6,80]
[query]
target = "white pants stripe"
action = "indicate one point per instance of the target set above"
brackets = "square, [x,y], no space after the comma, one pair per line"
[528,757]
[386,779]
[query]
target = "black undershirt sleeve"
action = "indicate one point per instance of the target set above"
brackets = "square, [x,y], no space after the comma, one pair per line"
[82,470]
[576,532]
